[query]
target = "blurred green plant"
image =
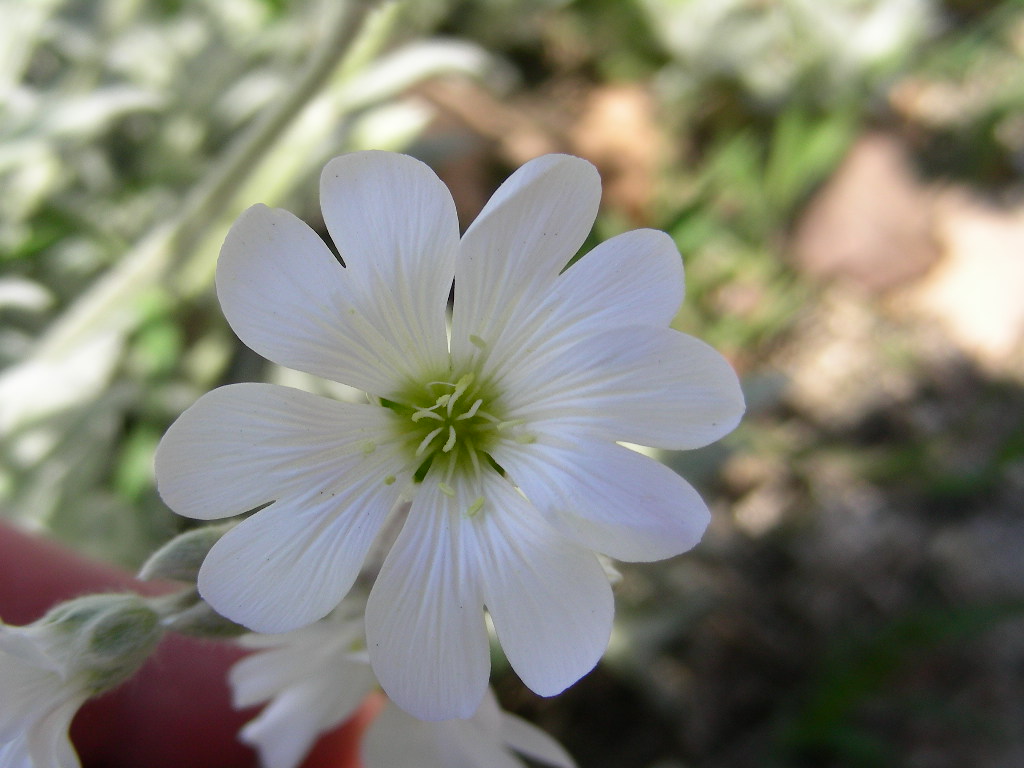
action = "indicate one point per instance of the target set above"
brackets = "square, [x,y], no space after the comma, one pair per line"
[775,52]
[861,669]
[131,135]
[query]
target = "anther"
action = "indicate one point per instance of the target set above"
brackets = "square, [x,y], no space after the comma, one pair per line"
[426,413]
[471,412]
[451,439]
[446,489]
[460,388]
[476,506]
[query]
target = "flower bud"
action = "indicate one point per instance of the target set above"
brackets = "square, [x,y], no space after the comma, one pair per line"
[48,669]
[180,558]
[102,638]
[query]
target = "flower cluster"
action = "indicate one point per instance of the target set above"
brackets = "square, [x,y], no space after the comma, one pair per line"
[503,433]
[314,678]
[48,669]
[41,696]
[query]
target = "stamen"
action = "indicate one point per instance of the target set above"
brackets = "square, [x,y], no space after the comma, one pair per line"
[476,506]
[427,440]
[471,412]
[526,439]
[477,342]
[460,388]
[389,480]
[451,439]
[427,413]
[368,447]
[446,489]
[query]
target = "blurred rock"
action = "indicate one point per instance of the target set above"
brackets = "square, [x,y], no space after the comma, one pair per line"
[871,224]
[619,132]
[976,293]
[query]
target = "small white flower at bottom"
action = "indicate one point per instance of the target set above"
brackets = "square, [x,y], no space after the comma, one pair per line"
[314,678]
[311,678]
[489,739]
[39,698]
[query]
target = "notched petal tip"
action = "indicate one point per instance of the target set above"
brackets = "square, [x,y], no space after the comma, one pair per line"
[570,184]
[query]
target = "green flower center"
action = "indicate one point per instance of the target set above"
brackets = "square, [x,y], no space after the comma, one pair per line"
[452,424]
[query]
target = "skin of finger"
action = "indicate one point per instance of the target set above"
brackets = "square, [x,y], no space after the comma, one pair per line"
[177,710]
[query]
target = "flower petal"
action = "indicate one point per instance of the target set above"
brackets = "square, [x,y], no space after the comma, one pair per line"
[464,744]
[341,693]
[287,728]
[15,752]
[31,692]
[319,651]
[48,741]
[395,226]
[525,235]
[287,297]
[260,676]
[244,445]
[550,600]
[529,740]
[284,731]
[644,385]
[397,740]
[292,562]
[425,627]
[608,498]
[28,645]
[633,279]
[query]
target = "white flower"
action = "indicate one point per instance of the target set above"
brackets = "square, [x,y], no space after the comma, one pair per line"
[504,438]
[487,740]
[39,695]
[80,648]
[313,681]
[316,677]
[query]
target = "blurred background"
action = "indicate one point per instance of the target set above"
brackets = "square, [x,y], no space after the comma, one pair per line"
[844,180]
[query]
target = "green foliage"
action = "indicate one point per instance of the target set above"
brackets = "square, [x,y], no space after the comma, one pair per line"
[743,199]
[857,672]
